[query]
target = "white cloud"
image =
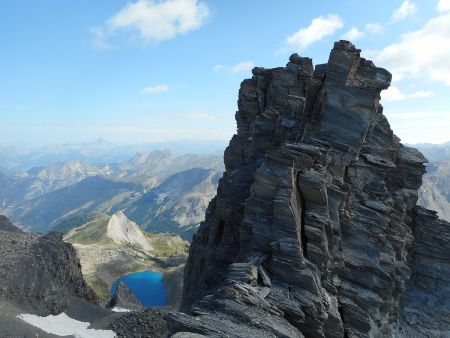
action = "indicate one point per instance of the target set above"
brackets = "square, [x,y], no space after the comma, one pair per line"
[419,115]
[443,5]
[161,88]
[318,29]
[407,9]
[201,116]
[395,94]
[424,53]
[374,28]
[242,67]
[152,21]
[218,68]
[421,126]
[238,68]
[353,34]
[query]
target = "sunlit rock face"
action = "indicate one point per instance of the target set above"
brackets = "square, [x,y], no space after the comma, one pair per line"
[312,229]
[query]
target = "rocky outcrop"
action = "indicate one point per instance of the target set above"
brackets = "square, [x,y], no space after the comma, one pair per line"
[6,225]
[124,298]
[145,323]
[40,272]
[314,226]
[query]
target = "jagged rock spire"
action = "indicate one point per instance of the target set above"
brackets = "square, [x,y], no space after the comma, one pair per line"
[310,231]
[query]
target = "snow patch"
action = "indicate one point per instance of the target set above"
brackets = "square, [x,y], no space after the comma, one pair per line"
[120,309]
[63,325]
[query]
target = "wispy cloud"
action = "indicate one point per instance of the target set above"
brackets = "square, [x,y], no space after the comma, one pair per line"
[395,94]
[443,5]
[161,88]
[374,28]
[318,29]
[406,10]
[353,34]
[218,68]
[241,67]
[151,21]
[423,53]
[201,116]
[419,115]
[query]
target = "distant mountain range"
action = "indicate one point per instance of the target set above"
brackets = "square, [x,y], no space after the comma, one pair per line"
[434,152]
[159,190]
[99,152]
[435,191]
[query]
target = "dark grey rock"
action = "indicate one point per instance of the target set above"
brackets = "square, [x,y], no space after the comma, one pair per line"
[124,298]
[41,273]
[139,324]
[314,229]
[6,225]
[425,305]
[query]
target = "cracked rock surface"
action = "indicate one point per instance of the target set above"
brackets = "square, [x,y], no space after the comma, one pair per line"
[315,231]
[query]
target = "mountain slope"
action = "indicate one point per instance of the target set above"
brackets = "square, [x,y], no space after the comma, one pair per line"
[92,194]
[435,152]
[435,191]
[121,230]
[63,193]
[178,204]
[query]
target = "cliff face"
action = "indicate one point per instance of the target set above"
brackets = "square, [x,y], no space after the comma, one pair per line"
[312,229]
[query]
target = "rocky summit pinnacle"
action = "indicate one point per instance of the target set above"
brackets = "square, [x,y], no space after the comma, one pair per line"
[315,231]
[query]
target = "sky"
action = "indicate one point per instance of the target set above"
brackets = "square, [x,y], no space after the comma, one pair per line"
[147,70]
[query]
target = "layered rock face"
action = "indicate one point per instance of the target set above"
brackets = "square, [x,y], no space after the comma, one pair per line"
[40,273]
[425,305]
[311,232]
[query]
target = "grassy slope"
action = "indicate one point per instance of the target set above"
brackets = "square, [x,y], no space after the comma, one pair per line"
[92,232]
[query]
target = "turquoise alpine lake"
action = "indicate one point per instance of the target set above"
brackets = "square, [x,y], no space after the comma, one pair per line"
[147,287]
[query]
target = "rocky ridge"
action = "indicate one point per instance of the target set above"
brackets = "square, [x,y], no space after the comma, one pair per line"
[39,272]
[315,231]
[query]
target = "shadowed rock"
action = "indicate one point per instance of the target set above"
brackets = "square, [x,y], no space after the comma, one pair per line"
[6,225]
[315,216]
[40,272]
[124,299]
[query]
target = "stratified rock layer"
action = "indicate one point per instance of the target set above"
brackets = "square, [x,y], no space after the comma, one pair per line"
[40,273]
[314,219]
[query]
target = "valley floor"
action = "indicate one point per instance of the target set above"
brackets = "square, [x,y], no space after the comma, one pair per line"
[102,264]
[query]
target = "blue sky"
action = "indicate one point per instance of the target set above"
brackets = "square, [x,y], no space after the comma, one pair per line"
[139,71]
